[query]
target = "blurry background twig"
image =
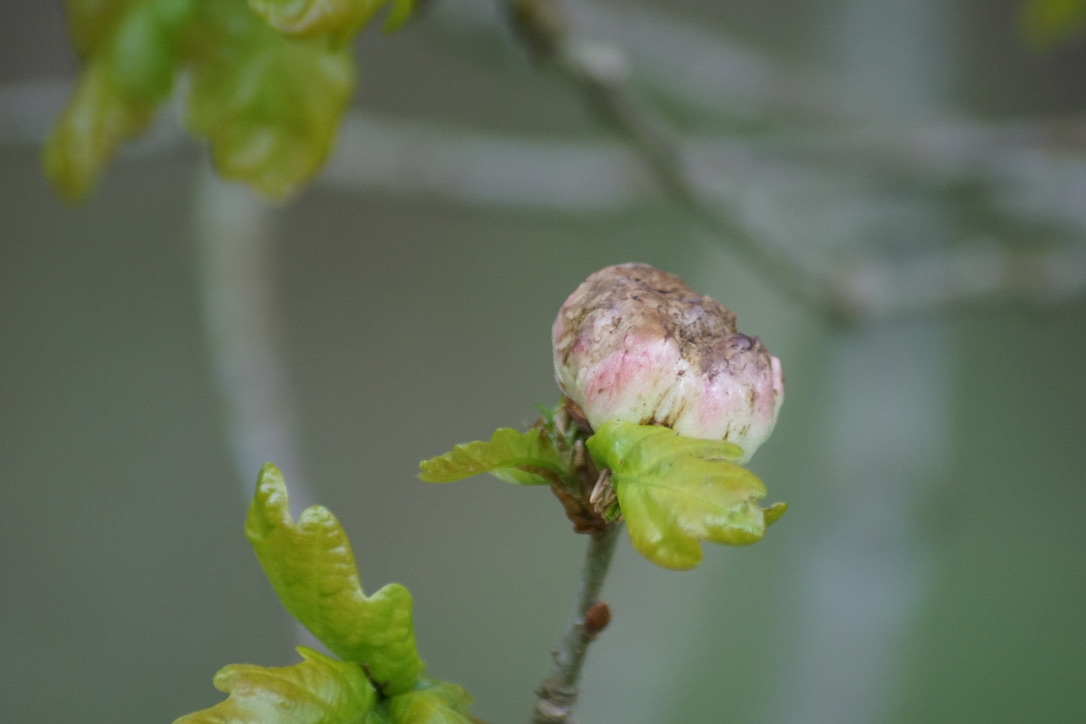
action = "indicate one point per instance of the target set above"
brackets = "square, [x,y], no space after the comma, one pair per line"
[866,288]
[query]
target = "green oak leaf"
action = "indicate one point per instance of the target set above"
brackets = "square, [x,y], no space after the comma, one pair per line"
[312,568]
[97,120]
[675,491]
[320,690]
[432,702]
[131,55]
[314,17]
[269,104]
[270,81]
[526,458]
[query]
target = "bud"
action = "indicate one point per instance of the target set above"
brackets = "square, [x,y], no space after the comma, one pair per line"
[635,344]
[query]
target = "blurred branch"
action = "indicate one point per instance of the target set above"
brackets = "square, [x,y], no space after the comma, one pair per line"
[710,72]
[600,72]
[980,273]
[943,147]
[234,231]
[1032,168]
[485,168]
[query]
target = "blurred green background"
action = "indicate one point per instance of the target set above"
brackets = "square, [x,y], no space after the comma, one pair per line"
[410,322]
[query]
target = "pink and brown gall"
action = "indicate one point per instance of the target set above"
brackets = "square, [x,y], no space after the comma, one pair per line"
[634,343]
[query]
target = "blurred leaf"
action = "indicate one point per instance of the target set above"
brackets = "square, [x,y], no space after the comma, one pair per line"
[526,458]
[143,50]
[433,702]
[99,117]
[676,491]
[134,31]
[131,51]
[268,100]
[319,690]
[339,17]
[312,568]
[1047,22]
[269,104]
[91,23]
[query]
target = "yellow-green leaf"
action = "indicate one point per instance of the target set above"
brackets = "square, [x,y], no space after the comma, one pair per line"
[99,117]
[268,103]
[524,458]
[270,82]
[320,690]
[675,492]
[131,57]
[312,567]
[432,702]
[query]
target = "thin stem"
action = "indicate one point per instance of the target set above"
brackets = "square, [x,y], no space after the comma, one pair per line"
[235,231]
[558,694]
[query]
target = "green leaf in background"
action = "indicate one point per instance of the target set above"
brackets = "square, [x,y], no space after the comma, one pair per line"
[526,458]
[314,17]
[1047,22]
[676,491]
[99,117]
[432,702]
[268,103]
[319,690]
[312,568]
[131,56]
[270,82]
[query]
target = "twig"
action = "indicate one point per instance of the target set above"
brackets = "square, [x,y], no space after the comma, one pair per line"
[846,293]
[599,71]
[558,694]
[488,169]
[716,73]
[1022,163]
[979,273]
[234,232]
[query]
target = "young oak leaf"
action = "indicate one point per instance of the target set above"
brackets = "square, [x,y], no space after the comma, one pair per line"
[312,568]
[431,702]
[99,117]
[342,17]
[526,458]
[270,81]
[268,103]
[676,491]
[130,50]
[319,690]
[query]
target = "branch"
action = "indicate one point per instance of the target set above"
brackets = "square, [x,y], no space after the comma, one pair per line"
[985,272]
[599,71]
[488,169]
[558,694]
[1025,162]
[712,72]
[234,232]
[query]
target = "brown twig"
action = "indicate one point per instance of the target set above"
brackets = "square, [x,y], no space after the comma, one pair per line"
[558,693]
